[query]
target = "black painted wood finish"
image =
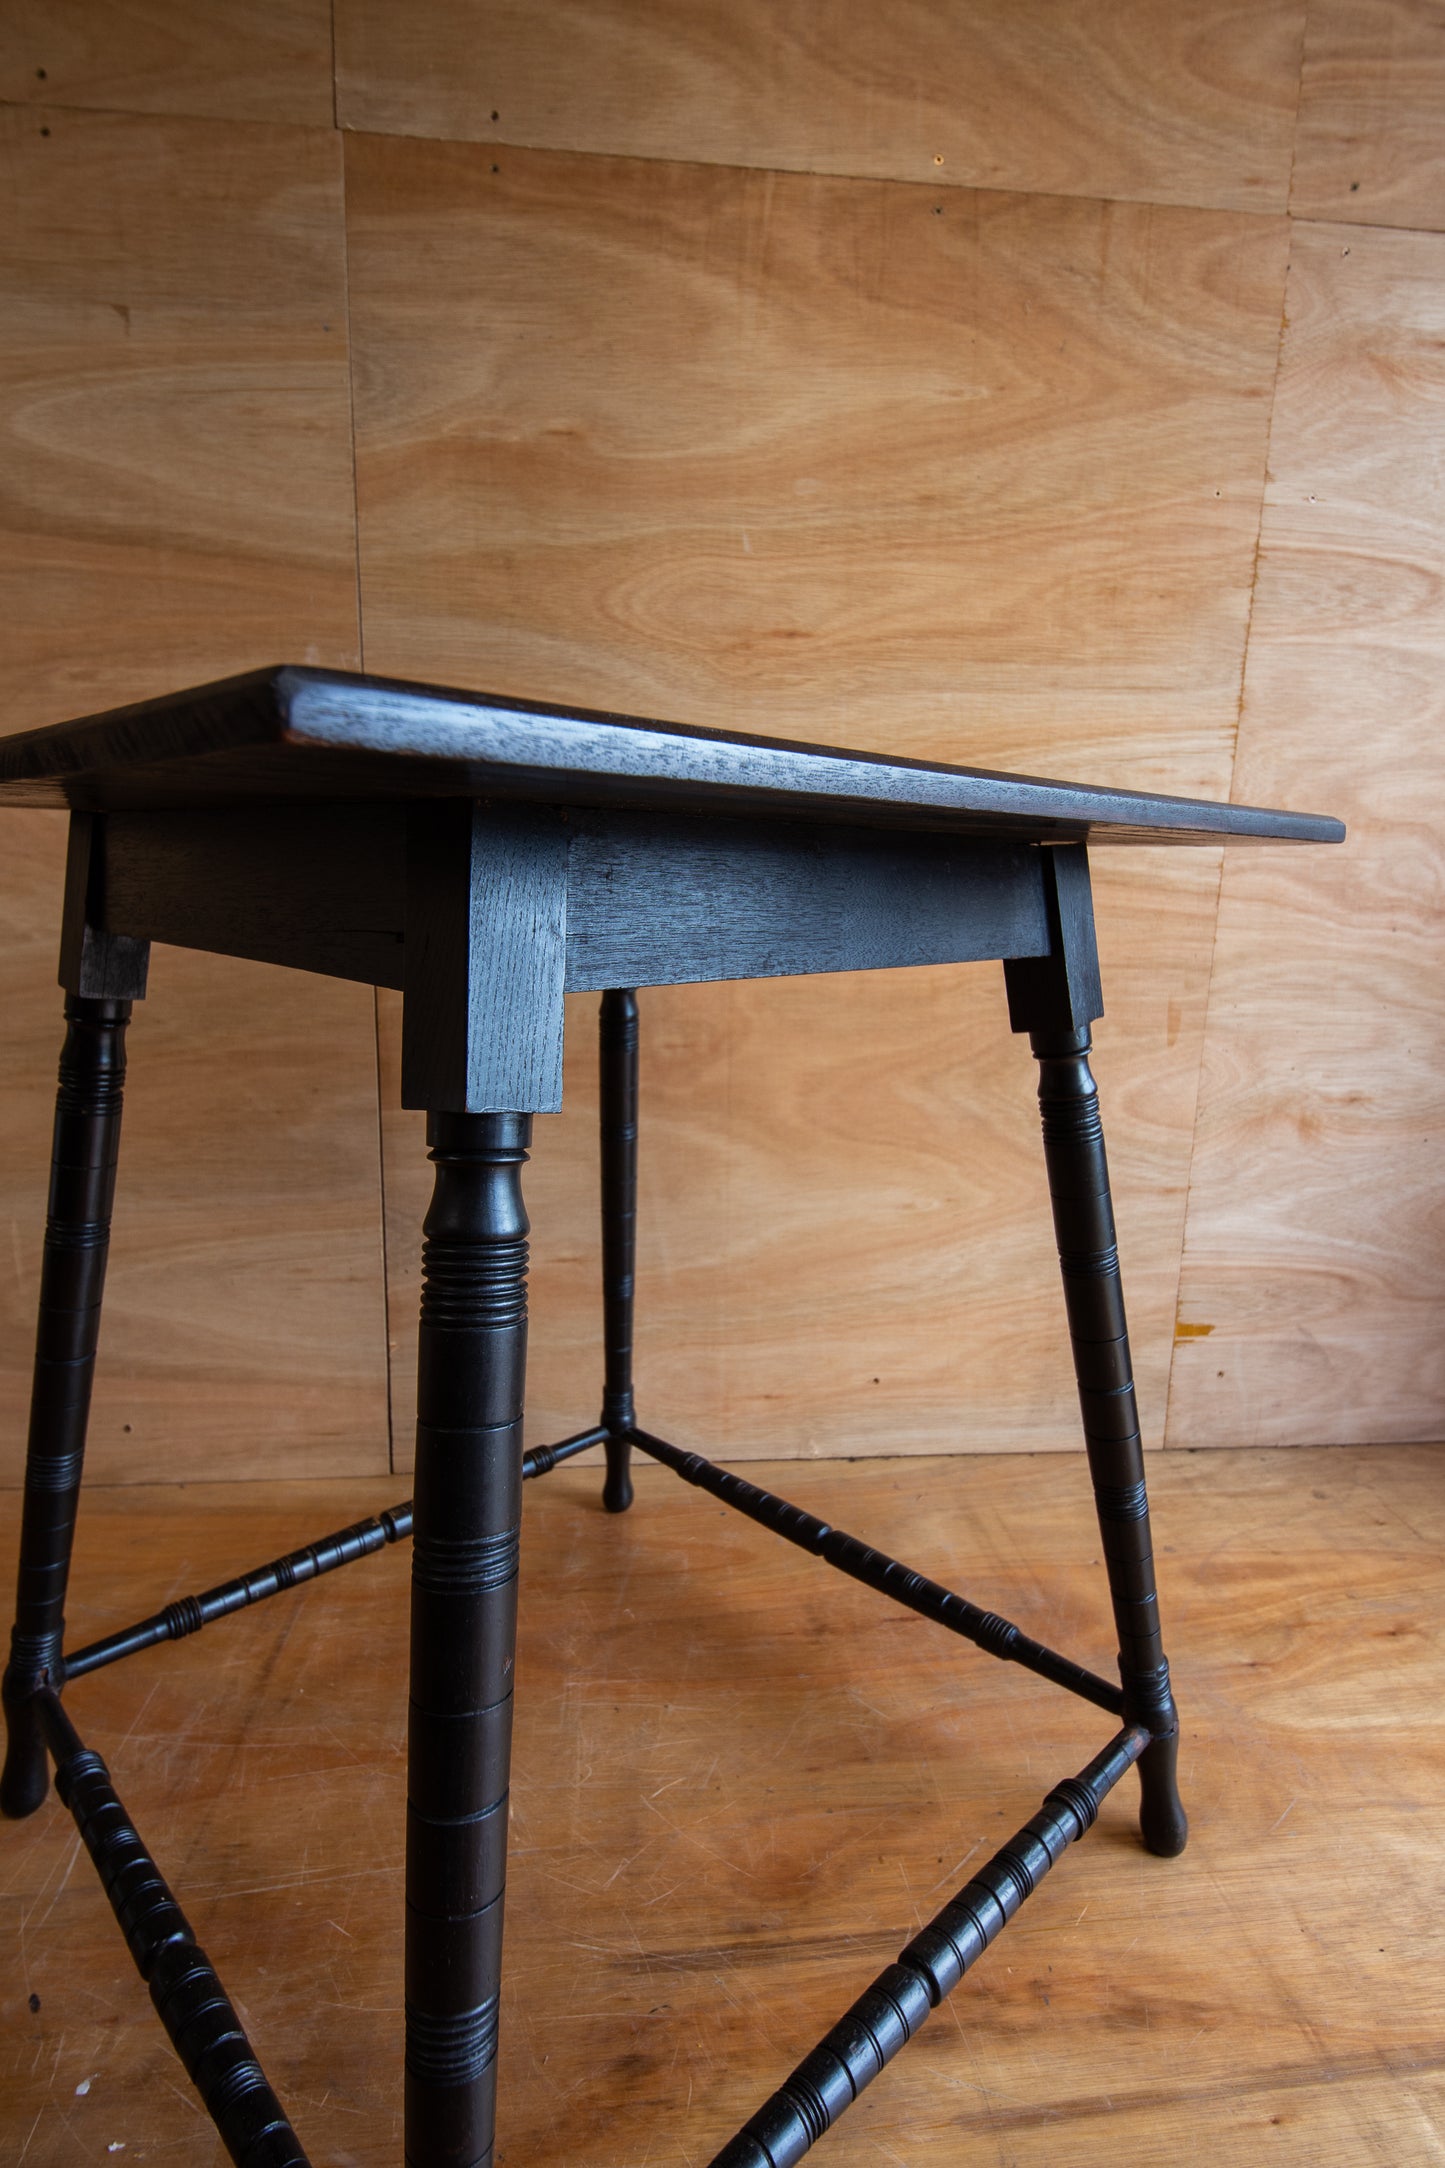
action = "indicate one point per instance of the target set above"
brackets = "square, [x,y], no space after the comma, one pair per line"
[188,1614]
[466,1530]
[1094,1298]
[189,1999]
[617,1104]
[288,732]
[485,856]
[72,1279]
[1055,1001]
[644,898]
[887,2015]
[985,1629]
[486,955]
[659,900]
[94,961]
[360,1539]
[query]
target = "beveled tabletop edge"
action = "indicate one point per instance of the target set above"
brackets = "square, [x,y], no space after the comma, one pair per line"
[303,732]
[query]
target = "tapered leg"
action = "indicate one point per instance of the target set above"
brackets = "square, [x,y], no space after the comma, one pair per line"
[72,1278]
[468,1502]
[618,1103]
[1084,1225]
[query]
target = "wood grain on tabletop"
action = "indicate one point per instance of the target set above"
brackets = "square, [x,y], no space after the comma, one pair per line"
[1313,1246]
[263,60]
[741,1782]
[1189,103]
[707,444]
[1371,137]
[177,505]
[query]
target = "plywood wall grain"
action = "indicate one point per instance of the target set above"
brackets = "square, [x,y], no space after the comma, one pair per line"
[850,461]
[1315,1253]
[1371,142]
[176,504]
[963,475]
[176,496]
[901,377]
[1161,101]
[262,60]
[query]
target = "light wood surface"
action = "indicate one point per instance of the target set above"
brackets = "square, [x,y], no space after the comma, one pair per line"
[261,60]
[1313,1235]
[1371,140]
[740,1784]
[873,451]
[177,504]
[173,369]
[1185,103]
[704,443]
[965,477]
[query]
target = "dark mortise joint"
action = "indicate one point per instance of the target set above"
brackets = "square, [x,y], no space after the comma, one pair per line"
[190,2001]
[876,1570]
[887,2015]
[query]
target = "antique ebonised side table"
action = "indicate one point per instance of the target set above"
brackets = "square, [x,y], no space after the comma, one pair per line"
[486,856]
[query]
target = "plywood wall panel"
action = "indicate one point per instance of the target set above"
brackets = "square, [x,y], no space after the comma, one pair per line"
[978,482]
[175,494]
[962,475]
[1371,144]
[176,497]
[265,60]
[1189,102]
[1314,1247]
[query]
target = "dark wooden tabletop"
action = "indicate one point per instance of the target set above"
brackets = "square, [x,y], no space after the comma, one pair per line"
[296,734]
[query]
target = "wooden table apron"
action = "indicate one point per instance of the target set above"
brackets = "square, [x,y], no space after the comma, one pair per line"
[486,858]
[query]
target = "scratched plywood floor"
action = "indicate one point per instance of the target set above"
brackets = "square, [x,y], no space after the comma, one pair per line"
[740,1782]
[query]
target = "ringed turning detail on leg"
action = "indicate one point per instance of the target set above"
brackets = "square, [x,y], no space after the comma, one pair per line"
[72,1281]
[617,1106]
[1055,999]
[466,1527]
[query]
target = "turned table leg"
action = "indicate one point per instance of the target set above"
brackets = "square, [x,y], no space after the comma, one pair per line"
[468,1501]
[72,1280]
[1055,999]
[617,1101]
[1094,1297]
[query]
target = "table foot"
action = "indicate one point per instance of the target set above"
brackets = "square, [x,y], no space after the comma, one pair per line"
[1163,1823]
